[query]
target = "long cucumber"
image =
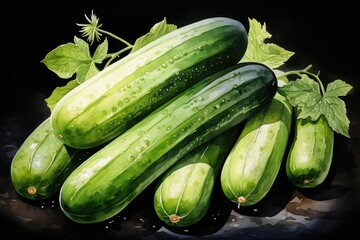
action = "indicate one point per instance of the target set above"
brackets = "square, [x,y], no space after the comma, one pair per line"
[254,162]
[118,97]
[183,193]
[111,178]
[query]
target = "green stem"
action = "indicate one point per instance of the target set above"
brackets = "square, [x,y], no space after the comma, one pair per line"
[116,37]
[304,71]
[114,55]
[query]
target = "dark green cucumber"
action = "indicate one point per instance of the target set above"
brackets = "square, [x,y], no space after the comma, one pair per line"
[254,162]
[183,193]
[310,156]
[111,178]
[42,163]
[115,99]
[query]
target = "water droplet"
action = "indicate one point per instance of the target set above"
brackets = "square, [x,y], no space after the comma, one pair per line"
[195,109]
[131,157]
[126,100]
[164,65]
[146,142]
[168,128]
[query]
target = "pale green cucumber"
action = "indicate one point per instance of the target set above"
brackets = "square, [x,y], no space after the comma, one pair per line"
[254,162]
[310,156]
[183,194]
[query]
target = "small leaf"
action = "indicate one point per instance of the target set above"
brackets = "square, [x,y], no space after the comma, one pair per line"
[100,52]
[338,88]
[59,92]
[304,93]
[75,58]
[158,30]
[269,54]
[335,113]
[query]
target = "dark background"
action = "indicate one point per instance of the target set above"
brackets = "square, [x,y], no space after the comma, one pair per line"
[320,34]
[323,35]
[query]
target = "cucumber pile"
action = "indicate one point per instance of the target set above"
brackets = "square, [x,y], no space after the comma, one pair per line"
[172,113]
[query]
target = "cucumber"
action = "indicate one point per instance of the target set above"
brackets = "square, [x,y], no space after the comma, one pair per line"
[183,194]
[310,156]
[111,178]
[254,162]
[42,163]
[118,97]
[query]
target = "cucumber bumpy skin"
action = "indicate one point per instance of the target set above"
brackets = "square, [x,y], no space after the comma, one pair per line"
[254,162]
[42,163]
[111,178]
[118,97]
[183,194]
[310,156]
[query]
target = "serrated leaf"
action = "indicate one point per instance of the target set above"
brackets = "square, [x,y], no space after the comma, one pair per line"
[338,88]
[158,30]
[60,92]
[257,50]
[74,58]
[101,51]
[335,113]
[304,93]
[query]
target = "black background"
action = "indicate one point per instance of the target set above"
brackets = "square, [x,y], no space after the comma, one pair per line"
[323,35]
[320,33]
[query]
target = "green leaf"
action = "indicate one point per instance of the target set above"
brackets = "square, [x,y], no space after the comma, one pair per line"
[335,113]
[158,30]
[74,58]
[269,54]
[59,92]
[338,88]
[304,93]
[101,51]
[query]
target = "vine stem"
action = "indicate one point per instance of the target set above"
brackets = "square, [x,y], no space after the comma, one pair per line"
[116,37]
[307,72]
[114,55]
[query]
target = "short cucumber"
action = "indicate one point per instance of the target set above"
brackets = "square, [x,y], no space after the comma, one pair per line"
[254,162]
[42,163]
[183,193]
[310,156]
[111,178]
[116,98]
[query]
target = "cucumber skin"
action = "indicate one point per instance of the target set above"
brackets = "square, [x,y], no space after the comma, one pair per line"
[42,163]
[254,162]
[184,191]
[310,156]
[111,178]
[118,97]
